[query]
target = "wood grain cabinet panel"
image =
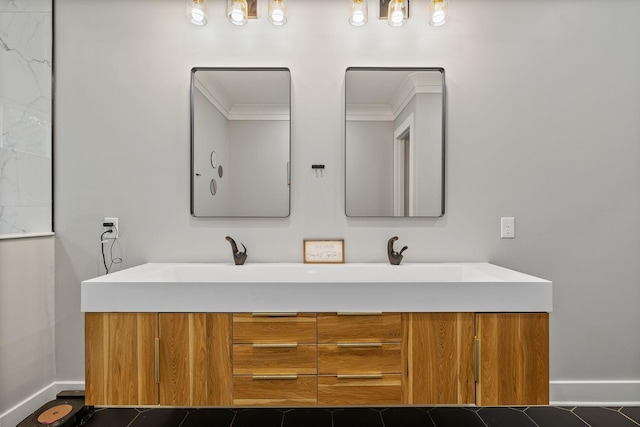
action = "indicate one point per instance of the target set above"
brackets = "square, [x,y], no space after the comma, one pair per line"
[356,327]
[275,390]
[195,355]
[438,352]
[359,358]
[308,359]
[294,359]
[257,328]
[514,359]
[359,390]
[120,358]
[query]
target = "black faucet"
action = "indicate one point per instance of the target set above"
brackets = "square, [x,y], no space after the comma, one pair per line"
[394,257]
[238,257]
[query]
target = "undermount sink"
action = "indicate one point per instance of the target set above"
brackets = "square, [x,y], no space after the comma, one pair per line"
[284,287]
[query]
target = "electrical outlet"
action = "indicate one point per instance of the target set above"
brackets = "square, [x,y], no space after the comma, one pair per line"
[507,228]
[114,228]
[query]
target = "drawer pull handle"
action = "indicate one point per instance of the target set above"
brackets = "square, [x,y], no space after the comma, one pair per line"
[359,313]
[274,314]
[274,377]
[275,345]
[359,344]
[156,356]
[360,377]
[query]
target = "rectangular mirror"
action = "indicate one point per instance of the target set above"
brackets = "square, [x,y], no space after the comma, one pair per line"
[395,136]
[240,142]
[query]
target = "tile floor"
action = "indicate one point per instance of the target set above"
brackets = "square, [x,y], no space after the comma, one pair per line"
[538,416]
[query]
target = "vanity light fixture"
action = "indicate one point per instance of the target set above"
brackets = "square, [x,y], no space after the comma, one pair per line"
[197,12]
[277,12]
[237,12]
[438,12]
[359,13]
[398,13]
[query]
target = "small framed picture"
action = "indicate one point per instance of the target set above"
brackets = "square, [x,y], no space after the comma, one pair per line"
[324,251]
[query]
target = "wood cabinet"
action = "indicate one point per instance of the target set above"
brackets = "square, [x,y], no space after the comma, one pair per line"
[513,353]
[120,358]
[309,359]
[195,359]
[438,351]
[174,359]
[359,359]
[274,359]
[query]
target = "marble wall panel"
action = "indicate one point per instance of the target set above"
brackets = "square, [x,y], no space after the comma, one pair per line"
[25,116]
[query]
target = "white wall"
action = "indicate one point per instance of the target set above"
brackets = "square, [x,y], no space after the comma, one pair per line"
[428,165]
[211,134]
[257,168]
[369,177]
[543,106]
[27,363]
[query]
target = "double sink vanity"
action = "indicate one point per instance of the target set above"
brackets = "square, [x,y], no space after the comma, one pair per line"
[285,335]
[317,335]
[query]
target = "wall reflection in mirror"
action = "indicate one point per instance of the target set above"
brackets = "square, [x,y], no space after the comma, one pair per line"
[240,142]
[394,142]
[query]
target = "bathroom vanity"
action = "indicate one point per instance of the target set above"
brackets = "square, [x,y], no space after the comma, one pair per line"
[317,335]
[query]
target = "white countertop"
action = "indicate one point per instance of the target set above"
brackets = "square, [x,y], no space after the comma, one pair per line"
[284,287]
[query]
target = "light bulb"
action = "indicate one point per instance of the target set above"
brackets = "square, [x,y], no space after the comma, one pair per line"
[197,11]
[197,16]
[397,15]
[277,12]
[358,13]
[237,12]
[439,12]
[277,16]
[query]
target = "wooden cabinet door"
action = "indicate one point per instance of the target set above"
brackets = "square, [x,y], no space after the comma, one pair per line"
[195,359]
[120,358]
[438,350]
[514,359]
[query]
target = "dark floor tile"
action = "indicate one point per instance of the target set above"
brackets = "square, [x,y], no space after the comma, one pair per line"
[548,416]
[632,412]
[163,417]
[453,417]
[113,417]
[361,417]
[209,418]
[406,417]
[307,418]
[258,418]
[603,417]
[505,417]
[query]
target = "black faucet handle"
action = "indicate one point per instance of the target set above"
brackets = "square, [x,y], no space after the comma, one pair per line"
[394,257]
[239,257]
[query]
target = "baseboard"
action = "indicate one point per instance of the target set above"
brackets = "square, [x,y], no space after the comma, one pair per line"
[22,410]
[595,393]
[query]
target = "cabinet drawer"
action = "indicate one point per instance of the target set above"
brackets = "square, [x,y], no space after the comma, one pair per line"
[353,390]
[275,391]
[335,327]
[274,328]
[359,358]
[265,359]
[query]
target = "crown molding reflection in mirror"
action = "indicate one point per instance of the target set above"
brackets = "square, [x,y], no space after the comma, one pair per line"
[240,142]
[394,142]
